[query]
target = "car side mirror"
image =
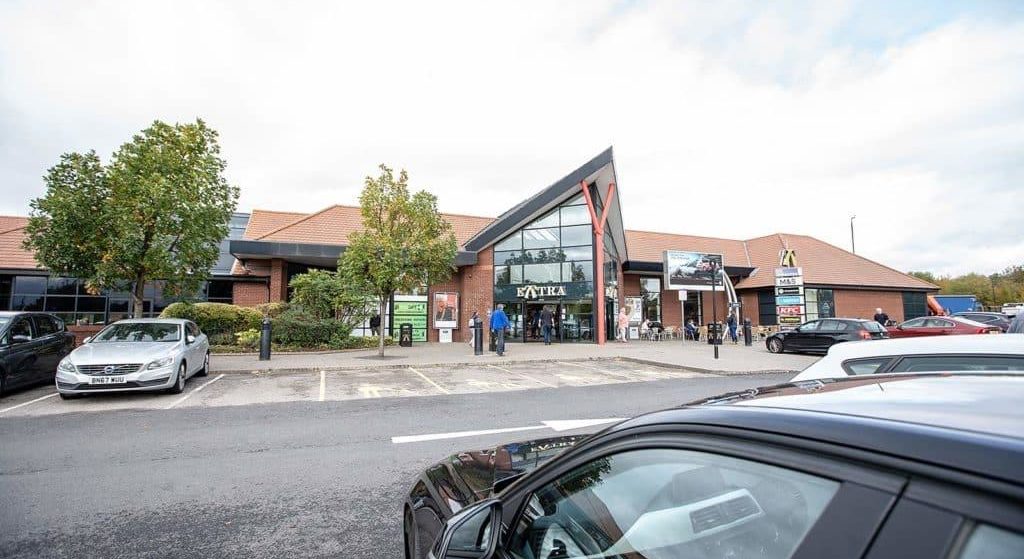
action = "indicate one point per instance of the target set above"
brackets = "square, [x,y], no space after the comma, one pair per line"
[472,534]
[87,340]
[190,339]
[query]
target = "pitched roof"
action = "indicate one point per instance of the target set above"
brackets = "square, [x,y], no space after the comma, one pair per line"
[262,222]
[332,226]
[12,235]
[648,246]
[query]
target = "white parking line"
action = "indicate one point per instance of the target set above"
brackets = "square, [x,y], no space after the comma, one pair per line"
[596,370]
[189,395]
[28,402]
[434,384]
[527,377]
[323,385]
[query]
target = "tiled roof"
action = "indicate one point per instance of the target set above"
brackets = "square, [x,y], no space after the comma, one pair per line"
[262,222]
[12,234]
[647,246]
[332,226]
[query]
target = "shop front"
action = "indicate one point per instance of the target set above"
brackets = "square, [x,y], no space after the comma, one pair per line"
[570,304]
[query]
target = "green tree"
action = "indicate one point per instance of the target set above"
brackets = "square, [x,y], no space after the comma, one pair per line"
[926,276]
[157,211]
[405,243]
[324,295]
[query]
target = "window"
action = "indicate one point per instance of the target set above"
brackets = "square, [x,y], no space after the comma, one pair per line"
[671,503]
[989,542]
[872,326]
[915,323]
[938,323]
[512,242]
[575,215]
[21,331]
[866,366]
[542,273]
[541,238]
[45,325]
[928,363]
[650,290]
[832,326]
[766,308]
[576,235]
[914,304]
[548,220]
[810,326]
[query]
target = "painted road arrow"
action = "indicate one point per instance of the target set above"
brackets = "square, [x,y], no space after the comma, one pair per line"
[557,425]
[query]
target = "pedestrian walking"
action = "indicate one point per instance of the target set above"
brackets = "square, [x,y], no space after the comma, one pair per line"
[547,322]
[731,322]
[499,324]
[375,324]
[472,328]
[881,317]
[623,325]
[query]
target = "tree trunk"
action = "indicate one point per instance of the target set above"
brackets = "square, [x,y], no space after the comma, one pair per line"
[137,294]
[380,347]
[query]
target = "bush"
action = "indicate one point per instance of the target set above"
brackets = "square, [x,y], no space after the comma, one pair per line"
[273,310]
[300,329]
[215,318]
[248,338]
[357,342]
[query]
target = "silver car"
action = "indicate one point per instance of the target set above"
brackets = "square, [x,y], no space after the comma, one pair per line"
[136,355]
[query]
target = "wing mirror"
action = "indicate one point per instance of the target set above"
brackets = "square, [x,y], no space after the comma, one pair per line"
[87,340]
[190,339]
[473,533]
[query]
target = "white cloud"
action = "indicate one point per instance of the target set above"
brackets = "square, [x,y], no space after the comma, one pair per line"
[728,119]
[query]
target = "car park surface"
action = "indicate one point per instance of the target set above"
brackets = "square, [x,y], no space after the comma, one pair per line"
[840,469]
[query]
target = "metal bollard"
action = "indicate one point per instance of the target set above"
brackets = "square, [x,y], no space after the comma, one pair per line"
[748,335]
[478,338]
[265,339]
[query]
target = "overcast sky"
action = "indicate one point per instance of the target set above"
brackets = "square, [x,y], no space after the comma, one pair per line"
[729,119]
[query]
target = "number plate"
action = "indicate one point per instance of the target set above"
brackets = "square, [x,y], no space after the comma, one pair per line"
[995,331]
[106,380]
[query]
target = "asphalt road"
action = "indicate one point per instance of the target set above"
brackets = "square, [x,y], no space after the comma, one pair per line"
[287,479]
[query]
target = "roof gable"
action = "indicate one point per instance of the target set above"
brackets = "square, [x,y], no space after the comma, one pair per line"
[12,235]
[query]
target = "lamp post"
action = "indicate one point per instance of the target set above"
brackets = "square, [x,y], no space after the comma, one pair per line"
[714,307]
[853,242]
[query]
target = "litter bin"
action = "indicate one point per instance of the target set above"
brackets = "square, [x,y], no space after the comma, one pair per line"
[405,335]
[715,332]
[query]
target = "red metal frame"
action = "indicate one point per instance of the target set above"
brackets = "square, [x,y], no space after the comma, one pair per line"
[599,224]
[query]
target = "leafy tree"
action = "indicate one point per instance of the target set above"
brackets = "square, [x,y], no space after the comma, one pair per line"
[405,243]
[158,211]
[324,295]
[926,276]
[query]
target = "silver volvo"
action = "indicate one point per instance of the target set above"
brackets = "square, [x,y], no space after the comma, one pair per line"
[136,355]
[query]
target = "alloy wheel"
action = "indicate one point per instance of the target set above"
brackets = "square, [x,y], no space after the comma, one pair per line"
[775,345]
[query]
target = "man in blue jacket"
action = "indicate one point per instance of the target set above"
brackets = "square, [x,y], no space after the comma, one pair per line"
[500,323]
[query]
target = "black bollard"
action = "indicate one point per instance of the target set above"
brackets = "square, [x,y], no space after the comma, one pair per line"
[478,337]
[265,339]
[748,334]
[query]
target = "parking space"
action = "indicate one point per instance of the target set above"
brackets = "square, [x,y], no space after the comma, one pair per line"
[237,389]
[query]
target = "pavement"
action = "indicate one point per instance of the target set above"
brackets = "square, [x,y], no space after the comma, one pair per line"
[689,355]
[299,476]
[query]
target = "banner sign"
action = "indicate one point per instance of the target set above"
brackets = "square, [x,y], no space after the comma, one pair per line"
[788,272]
[411,309]
[789,300]
[689,270]
[791,320]
[791,290]
[790,310]
[788,281]
[446,310]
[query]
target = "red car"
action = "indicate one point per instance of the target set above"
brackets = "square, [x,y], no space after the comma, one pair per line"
[940,326]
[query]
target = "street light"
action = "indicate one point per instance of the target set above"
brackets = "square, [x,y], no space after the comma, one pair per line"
[853,242]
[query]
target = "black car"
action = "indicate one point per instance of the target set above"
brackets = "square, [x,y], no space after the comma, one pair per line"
[31,346]
[850,468]
[990,318]
[817,336]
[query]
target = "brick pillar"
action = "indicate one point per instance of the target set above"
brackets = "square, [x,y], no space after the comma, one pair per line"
[278,280]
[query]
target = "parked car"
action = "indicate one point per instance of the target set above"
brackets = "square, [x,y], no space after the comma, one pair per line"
[31,345]
[830,469]
[817,336]
[1011,309]
[989,318]
[136,355]
[940,326]
[916,355]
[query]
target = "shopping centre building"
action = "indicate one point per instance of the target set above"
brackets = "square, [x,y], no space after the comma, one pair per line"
[564,248]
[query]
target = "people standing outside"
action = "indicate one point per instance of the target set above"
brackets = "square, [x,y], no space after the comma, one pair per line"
[547,322]
[375,324]
[500,323]
[731,322]
[645,328]
[691,329]
[472,328]
[623,325]
[881,317]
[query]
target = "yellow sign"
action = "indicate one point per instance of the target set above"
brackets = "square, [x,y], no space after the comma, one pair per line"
[787,257]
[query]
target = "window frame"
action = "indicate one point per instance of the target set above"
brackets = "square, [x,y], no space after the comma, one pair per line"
[848,503]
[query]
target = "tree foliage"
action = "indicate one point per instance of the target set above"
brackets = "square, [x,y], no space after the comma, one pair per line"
[405,242]
[157,211]
[992,290]
[324,295]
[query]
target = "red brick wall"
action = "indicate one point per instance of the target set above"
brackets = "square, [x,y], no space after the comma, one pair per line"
[477,291]
[749,310]
[631,286]
[671,309]
[862,304]
[278,280]
[722,302]
[249,294]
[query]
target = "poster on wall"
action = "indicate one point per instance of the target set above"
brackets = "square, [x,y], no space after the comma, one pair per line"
[634,309]
[411,309]
[446,310]
[689,270]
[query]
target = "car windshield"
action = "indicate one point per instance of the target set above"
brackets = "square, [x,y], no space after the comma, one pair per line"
[4,320]
[872,326]
[139,332]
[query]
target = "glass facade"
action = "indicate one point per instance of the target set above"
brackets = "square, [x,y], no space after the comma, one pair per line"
[554,251]
[650,291]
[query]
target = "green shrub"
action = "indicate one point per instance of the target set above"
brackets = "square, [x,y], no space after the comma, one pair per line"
[248,338]
[299,329]
[215,318]
[358,342]
[273,310]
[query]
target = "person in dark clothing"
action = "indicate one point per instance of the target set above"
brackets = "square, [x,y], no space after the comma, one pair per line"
[881,317]
[547,322]
[731,322]
[375,324]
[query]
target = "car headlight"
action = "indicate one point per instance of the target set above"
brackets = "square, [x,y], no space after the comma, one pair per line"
[160,363]
[66,366]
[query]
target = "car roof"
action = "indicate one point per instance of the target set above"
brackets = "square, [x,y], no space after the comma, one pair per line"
[967,422]
[152,320]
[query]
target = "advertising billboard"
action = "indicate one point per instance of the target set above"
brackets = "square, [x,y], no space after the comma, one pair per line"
[689,270]
[446,310]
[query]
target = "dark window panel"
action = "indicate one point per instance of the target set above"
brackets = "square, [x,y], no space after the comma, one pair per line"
[92,304]
[27,303]
[30,285]
[60,304]
[62,286]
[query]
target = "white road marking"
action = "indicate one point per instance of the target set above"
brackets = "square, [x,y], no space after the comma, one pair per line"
[369,391]
[323,385]
[29,402]
[189,395]
[527,377]
[558,425]
[596,370]
[432,383]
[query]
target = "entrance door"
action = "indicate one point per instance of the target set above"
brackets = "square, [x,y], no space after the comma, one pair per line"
[532,329]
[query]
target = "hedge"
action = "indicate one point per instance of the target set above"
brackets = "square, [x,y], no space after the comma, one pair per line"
[215,318]
[299,329]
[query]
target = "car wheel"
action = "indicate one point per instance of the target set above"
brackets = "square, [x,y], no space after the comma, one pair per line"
[64,396]
[410,537]
[206,366]
[775,345]
[179,384]
[3,383]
